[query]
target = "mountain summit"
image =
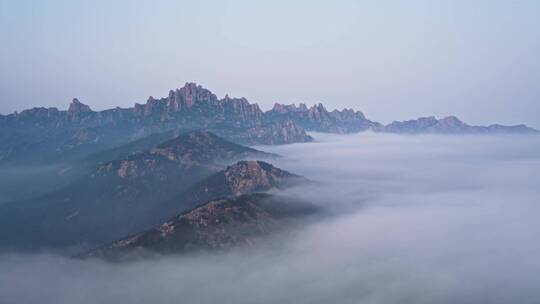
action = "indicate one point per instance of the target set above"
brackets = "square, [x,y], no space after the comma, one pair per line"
[77,107]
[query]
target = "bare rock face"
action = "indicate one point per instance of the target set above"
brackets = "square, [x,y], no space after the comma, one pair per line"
[241,110]
[249,176]
[318,118]
[190,94]
[243,177]
[273,133]
[179,100]
[77,107]
[284,109]
[77,111]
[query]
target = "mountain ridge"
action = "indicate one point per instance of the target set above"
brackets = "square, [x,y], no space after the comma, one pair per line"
[128,194]
[70,134]
[218,224]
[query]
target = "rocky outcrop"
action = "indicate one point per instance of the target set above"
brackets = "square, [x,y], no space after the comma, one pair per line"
[273,133]
[318,118]
[76,107]
[251,176]
[244,177]
[179,100]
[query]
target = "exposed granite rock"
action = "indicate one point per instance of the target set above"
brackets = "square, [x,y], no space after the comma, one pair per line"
[273,133]
[244,177]
[250,176]
[77,107]
[318,118]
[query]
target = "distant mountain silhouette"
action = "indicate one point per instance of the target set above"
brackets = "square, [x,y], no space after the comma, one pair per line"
[450,125]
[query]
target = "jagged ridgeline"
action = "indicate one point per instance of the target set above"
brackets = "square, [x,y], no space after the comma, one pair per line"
[48,134]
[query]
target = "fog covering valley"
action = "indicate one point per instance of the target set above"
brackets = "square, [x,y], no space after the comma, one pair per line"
[414,219]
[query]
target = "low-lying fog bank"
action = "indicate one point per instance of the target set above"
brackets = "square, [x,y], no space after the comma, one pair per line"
[421,219]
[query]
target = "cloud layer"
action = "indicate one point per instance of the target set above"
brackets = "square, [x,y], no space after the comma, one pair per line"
[420,219]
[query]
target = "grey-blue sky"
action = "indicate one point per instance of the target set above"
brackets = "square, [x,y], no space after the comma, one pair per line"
[391,59]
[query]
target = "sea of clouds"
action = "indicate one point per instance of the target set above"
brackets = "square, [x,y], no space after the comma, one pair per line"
[416,219]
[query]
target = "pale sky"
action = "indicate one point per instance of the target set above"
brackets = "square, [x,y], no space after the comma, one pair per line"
[393,60]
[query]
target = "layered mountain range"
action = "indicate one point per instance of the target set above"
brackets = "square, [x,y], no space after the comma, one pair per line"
[49,134]
[129,194]
[170,175]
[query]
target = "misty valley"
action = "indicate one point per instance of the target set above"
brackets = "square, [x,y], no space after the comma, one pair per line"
[194,197]
[264,152]
[375,217]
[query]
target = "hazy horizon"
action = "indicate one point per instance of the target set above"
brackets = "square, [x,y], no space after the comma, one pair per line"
[201,201]
[391,60]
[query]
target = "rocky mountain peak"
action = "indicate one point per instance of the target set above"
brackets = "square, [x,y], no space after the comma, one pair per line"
[283,109]
[302,107]
[249,176]
[192,93]
[78,107]
[318,111]
[241,109]
[186,97]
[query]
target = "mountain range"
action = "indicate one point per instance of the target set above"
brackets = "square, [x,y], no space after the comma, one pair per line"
[172,175]
[49,134]
[134,192]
